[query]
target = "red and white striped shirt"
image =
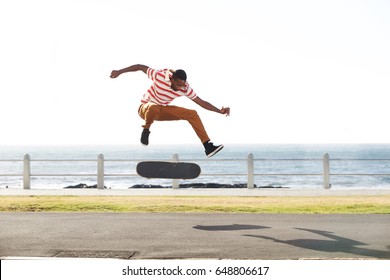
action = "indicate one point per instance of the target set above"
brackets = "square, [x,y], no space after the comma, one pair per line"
[161,92]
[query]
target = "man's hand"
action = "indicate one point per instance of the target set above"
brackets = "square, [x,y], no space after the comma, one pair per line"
[225,111]
[115,73]
[132,68]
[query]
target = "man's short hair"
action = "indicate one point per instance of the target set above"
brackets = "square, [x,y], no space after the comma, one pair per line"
[180,74]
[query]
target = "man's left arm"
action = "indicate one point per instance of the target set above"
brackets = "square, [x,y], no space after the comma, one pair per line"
[208,106]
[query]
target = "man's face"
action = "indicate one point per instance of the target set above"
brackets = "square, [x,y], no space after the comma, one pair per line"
[177,84]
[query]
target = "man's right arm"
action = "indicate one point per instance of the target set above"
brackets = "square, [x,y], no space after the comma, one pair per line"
[132,68]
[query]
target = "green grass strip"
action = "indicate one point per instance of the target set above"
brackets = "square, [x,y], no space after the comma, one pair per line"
[181,204]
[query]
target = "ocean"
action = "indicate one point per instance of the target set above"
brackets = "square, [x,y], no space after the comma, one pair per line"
[275,165]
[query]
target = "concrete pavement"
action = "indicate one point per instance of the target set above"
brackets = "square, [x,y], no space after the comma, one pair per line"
[197,192]
[190,235]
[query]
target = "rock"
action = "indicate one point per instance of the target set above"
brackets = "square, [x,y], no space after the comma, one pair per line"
[193,185]
[272,187]
[79,186]
[142,186]
[83,186]
[213,186]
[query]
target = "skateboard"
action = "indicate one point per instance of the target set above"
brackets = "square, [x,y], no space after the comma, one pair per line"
[168,170]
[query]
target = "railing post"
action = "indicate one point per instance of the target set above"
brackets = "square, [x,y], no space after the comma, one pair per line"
[175,182]
[326,182]
[100,172]
[250,183]
[26,172]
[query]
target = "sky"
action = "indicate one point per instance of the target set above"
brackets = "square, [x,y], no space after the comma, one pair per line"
[291,71]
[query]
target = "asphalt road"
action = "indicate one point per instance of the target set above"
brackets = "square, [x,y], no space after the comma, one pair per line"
[204,236]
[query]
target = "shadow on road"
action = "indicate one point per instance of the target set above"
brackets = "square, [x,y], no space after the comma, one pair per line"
[336,244]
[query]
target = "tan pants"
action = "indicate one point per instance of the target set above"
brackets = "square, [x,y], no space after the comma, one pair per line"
[151,112]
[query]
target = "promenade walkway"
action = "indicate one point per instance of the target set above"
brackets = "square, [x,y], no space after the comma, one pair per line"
[195,235]
[198,192]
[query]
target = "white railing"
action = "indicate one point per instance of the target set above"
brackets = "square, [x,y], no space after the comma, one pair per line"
[250,174]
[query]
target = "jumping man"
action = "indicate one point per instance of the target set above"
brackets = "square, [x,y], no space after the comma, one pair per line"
[168,85]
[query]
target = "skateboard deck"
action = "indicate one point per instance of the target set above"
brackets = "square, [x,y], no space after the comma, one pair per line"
[168,170]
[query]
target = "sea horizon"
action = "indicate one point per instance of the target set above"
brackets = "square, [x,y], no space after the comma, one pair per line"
[273,159]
